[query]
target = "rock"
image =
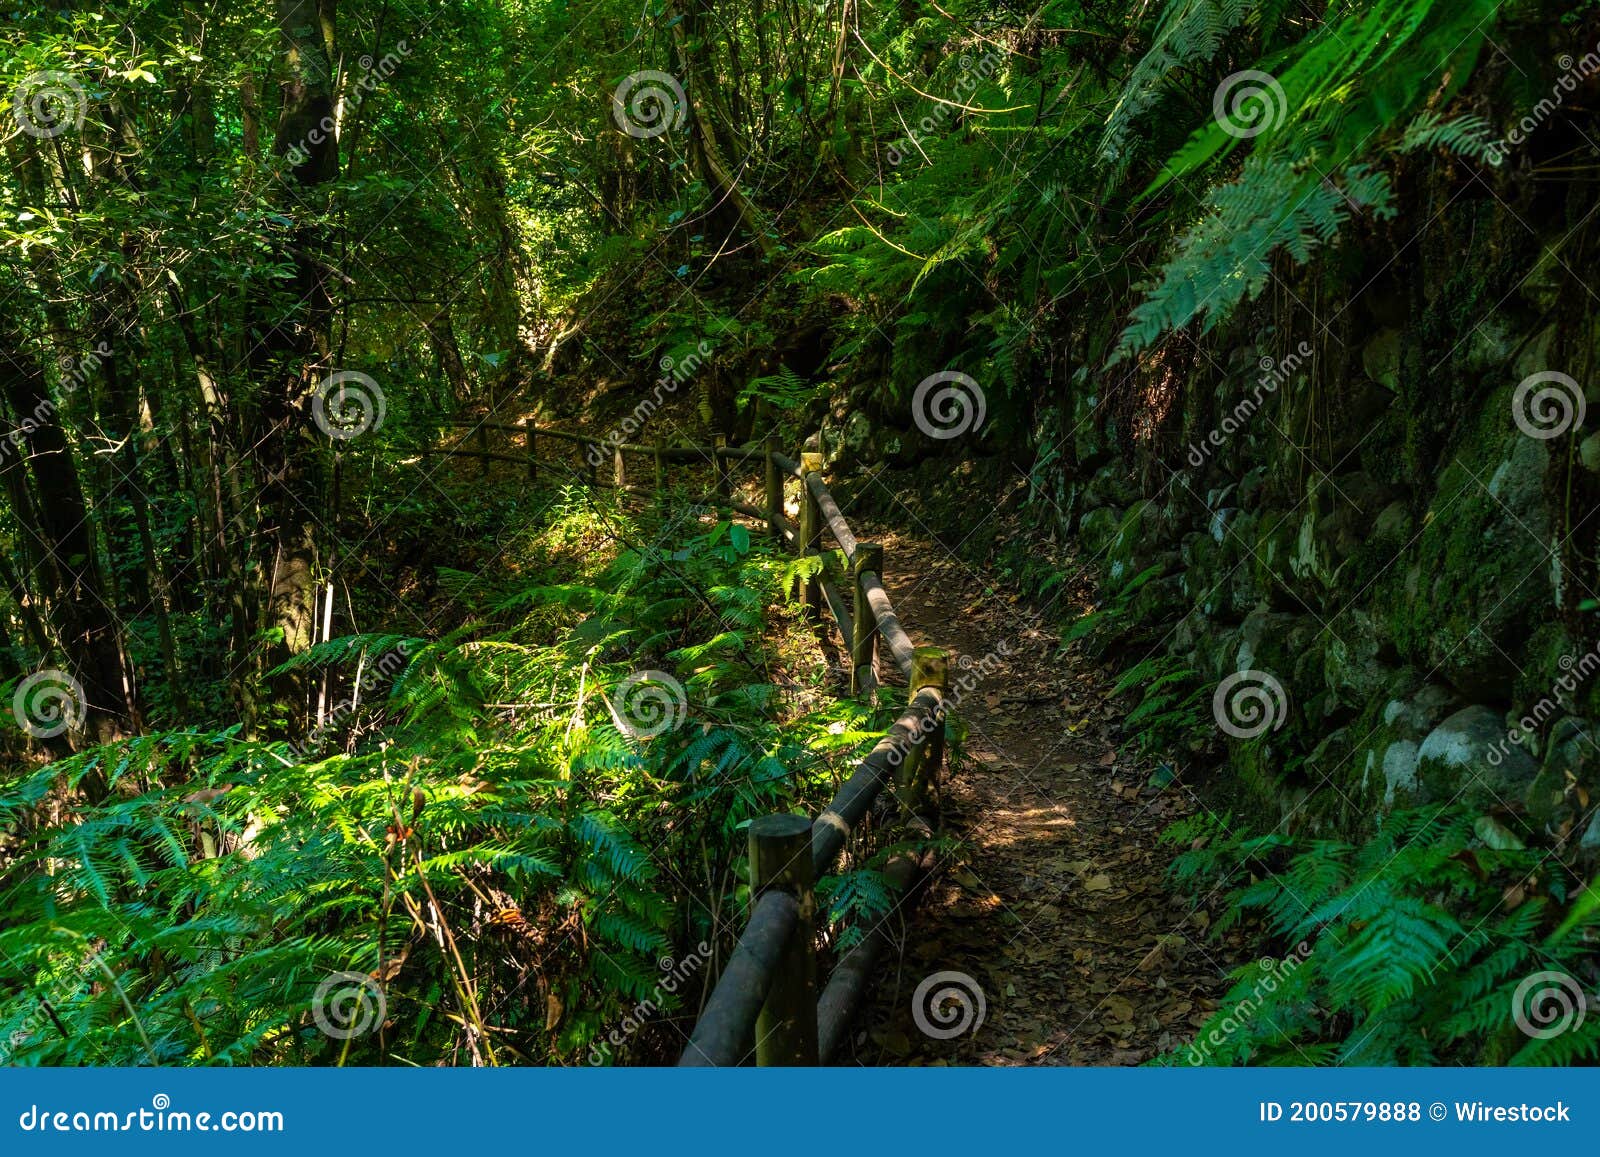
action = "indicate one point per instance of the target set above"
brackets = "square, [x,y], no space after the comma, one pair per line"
[1221,522]
[1545,283]
[1490,343]
[1471,755]
[1338,521]
[856,438]
[1158,602]
[1380,357]
[1274,545]
[1097,528]
[1202,578]
[1089,441]
[1589,453]
[1422,711]
[1135,539]
[1536,354]
[1186,635]
[1591,836]
[1110,486]
[1570,759]
[1330,755]
[1352,669]
[1215,653]
[1250,487]
[1399,770]
[1394,521]
[1270,641]
[1480,569]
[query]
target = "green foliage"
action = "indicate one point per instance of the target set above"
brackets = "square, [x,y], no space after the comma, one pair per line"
[502,820]
[1407,949]
[1226,258]
[784,389]
[1469,136]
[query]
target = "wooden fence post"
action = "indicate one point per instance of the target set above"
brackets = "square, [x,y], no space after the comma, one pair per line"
[863,626]
[930,667]
[529,433]
[774,482]
[810,541]
[483,451]
[619,472]
[780,857]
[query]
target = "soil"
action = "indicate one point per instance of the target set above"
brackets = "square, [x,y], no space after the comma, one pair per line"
[1056,905]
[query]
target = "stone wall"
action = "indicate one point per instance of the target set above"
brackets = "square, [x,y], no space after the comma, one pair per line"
[1385,506]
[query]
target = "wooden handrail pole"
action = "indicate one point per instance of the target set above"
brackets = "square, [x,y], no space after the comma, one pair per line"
[810,540]
[930,668]
[529,433]
[774,481]
[619,472]
[864,626]
[780,857]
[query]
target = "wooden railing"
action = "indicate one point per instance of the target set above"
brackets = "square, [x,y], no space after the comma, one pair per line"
[766,1003]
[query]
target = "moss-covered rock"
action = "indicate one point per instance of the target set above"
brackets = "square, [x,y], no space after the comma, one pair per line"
[1353,669]
[1097,528]
[1471,756]
[1134,539]
[1480,569]
[1569,776]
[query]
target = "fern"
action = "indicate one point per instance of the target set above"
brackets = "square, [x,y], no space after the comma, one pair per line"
[1469,136]
[1225,259]
[1405,948]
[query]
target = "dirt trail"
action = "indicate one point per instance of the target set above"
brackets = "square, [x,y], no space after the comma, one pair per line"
[1057,904]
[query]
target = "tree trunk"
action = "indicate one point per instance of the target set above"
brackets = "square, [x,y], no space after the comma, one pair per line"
[294,358]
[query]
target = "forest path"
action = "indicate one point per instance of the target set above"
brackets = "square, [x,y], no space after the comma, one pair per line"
[1057,903]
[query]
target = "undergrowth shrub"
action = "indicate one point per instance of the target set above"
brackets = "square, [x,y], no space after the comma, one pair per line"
[1415,947]
[485,851]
